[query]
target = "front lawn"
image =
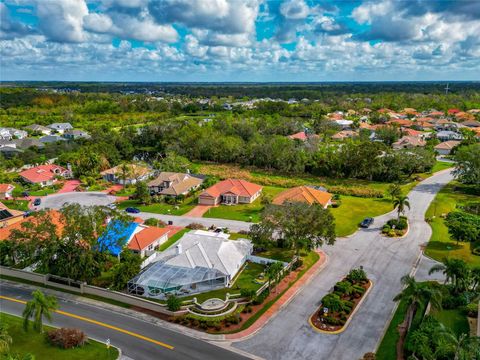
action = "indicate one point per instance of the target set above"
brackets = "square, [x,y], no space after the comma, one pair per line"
[243,212]
[441,165]
[160,208]
[354,209]
[454,319]
[36,344]
[440,246]
[21,205]
[275,253]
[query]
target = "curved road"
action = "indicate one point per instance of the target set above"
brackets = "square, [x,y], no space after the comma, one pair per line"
[386,260]
[56,201]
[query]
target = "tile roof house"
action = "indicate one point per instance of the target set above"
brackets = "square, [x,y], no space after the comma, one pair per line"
[47,139]
[60,127]
[446,147]
[302,136]
[304,194]
[198,262]
[133,174]
[345,134]
[230,191]
[6,191]
[44,175]
[408,142]
[174,184]
[9,217]
[471,123]
[19,220]
[145,241]
[39,129]
[412,132]
[76,134]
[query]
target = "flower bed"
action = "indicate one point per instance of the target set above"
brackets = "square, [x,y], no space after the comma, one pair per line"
[337,307]
[395,227]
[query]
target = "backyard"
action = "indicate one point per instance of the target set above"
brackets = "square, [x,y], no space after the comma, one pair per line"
[440,246]
[21,205]
[36,344]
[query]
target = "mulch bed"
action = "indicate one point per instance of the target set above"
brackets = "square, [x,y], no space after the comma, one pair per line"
[316,317]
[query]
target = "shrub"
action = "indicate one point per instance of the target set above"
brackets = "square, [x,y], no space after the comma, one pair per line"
[471,310]
[386,229]
[359,289]
[297,264]
[343,287]
[247,293]
[455,301]
[392,233]
[155,222]
[195,226]
[174,303]
[257,300]
[356,191]
[67,338]
[357,275]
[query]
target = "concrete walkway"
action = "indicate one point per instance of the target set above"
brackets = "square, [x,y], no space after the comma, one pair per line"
[386,260]
[198,211]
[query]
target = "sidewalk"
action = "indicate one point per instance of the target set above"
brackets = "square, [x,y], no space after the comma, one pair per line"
[283,301]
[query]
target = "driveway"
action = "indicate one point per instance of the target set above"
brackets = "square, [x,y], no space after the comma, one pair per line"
[386,260]
[198,211]
[183,220]
[69,186]
[56,201]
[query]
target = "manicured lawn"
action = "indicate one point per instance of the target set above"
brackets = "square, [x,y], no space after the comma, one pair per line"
[243,212]
[160,208]
[236,236]
[21,205]
[440,246]
[279,254]
[441,165]
[172,240]
[388,347]
[35,344]
[243,281]
[354,209]
[126,191]
[454,319]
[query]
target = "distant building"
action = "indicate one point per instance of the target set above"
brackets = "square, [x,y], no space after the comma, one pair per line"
[408,142]
[127,174]
[6,191]
[448,135]
[174,184]
[60,127]
[48,139]
[446,147]
[44,175]
[40,129]
[76,134]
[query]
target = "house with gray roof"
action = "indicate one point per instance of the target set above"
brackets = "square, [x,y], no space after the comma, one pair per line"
[76,134]
[60,127]
[39,129]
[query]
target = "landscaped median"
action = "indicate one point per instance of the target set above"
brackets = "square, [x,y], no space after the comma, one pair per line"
[337,308]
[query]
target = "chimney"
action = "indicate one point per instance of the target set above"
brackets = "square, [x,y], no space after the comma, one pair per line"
[179,249]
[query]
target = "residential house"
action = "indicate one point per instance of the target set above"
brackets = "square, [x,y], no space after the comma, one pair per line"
[28,143]
[48,139]
[76,134]
[471,123]
[6,191]
[39,129]
[127,174]
[345,134]
[5,134]
[408,142]
[344,124]
[412,132]
[446,147]
[448,135]
[304,194]
[60,127]
[147,240]
[11,133]
[9,150]
[44,175]
[174,184]
[445,125]
[9,217]
[302,136]
[18,219]
[231,192]
[200,261]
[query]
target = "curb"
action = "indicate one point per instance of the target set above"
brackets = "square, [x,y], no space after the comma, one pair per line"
[344,327]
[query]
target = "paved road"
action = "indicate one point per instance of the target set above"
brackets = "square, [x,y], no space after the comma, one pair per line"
[233,225]
[133,347]
[56,201]
[386,260]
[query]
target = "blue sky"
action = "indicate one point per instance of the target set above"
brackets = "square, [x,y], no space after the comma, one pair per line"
[239,40]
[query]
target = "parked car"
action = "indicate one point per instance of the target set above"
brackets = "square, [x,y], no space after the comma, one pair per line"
[25,194]
[132,210]
[112,206]
[366,222]
[37,202]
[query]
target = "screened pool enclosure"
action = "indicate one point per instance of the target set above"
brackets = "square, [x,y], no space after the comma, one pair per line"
[160,279]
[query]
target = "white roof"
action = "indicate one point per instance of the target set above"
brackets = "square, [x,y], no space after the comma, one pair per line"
[208,250]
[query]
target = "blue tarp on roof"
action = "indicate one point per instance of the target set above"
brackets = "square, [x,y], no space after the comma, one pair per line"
[116,236]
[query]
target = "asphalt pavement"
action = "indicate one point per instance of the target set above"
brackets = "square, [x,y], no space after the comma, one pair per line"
[138,340]
[289,336]
[56,201]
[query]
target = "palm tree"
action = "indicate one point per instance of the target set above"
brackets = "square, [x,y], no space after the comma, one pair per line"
[456,271]
[400,202]
[5,338]
[125,172]
[41,305]
[416,294]
[394,190]
[463,347]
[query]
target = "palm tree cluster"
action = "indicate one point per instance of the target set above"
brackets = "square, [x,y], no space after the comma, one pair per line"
[459,275]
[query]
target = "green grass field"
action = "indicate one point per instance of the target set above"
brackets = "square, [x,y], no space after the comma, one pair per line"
[440,246]
[243,212]
[454,319]
[172,240]
[35,344]
[21,205]
[354,209]
[160,208]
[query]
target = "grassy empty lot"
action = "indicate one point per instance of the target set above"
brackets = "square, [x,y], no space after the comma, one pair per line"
[21,205]
[160,208]
[35,344]
[440,246]
[354,209]
[243,212]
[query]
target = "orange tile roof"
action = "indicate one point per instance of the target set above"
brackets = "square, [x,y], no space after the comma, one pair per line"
[303,194]
[403,122]
[6,187]
[55,216]
[235,186]
[447,145]
[41,173]
[147,236]
[411,132]
[299,136]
